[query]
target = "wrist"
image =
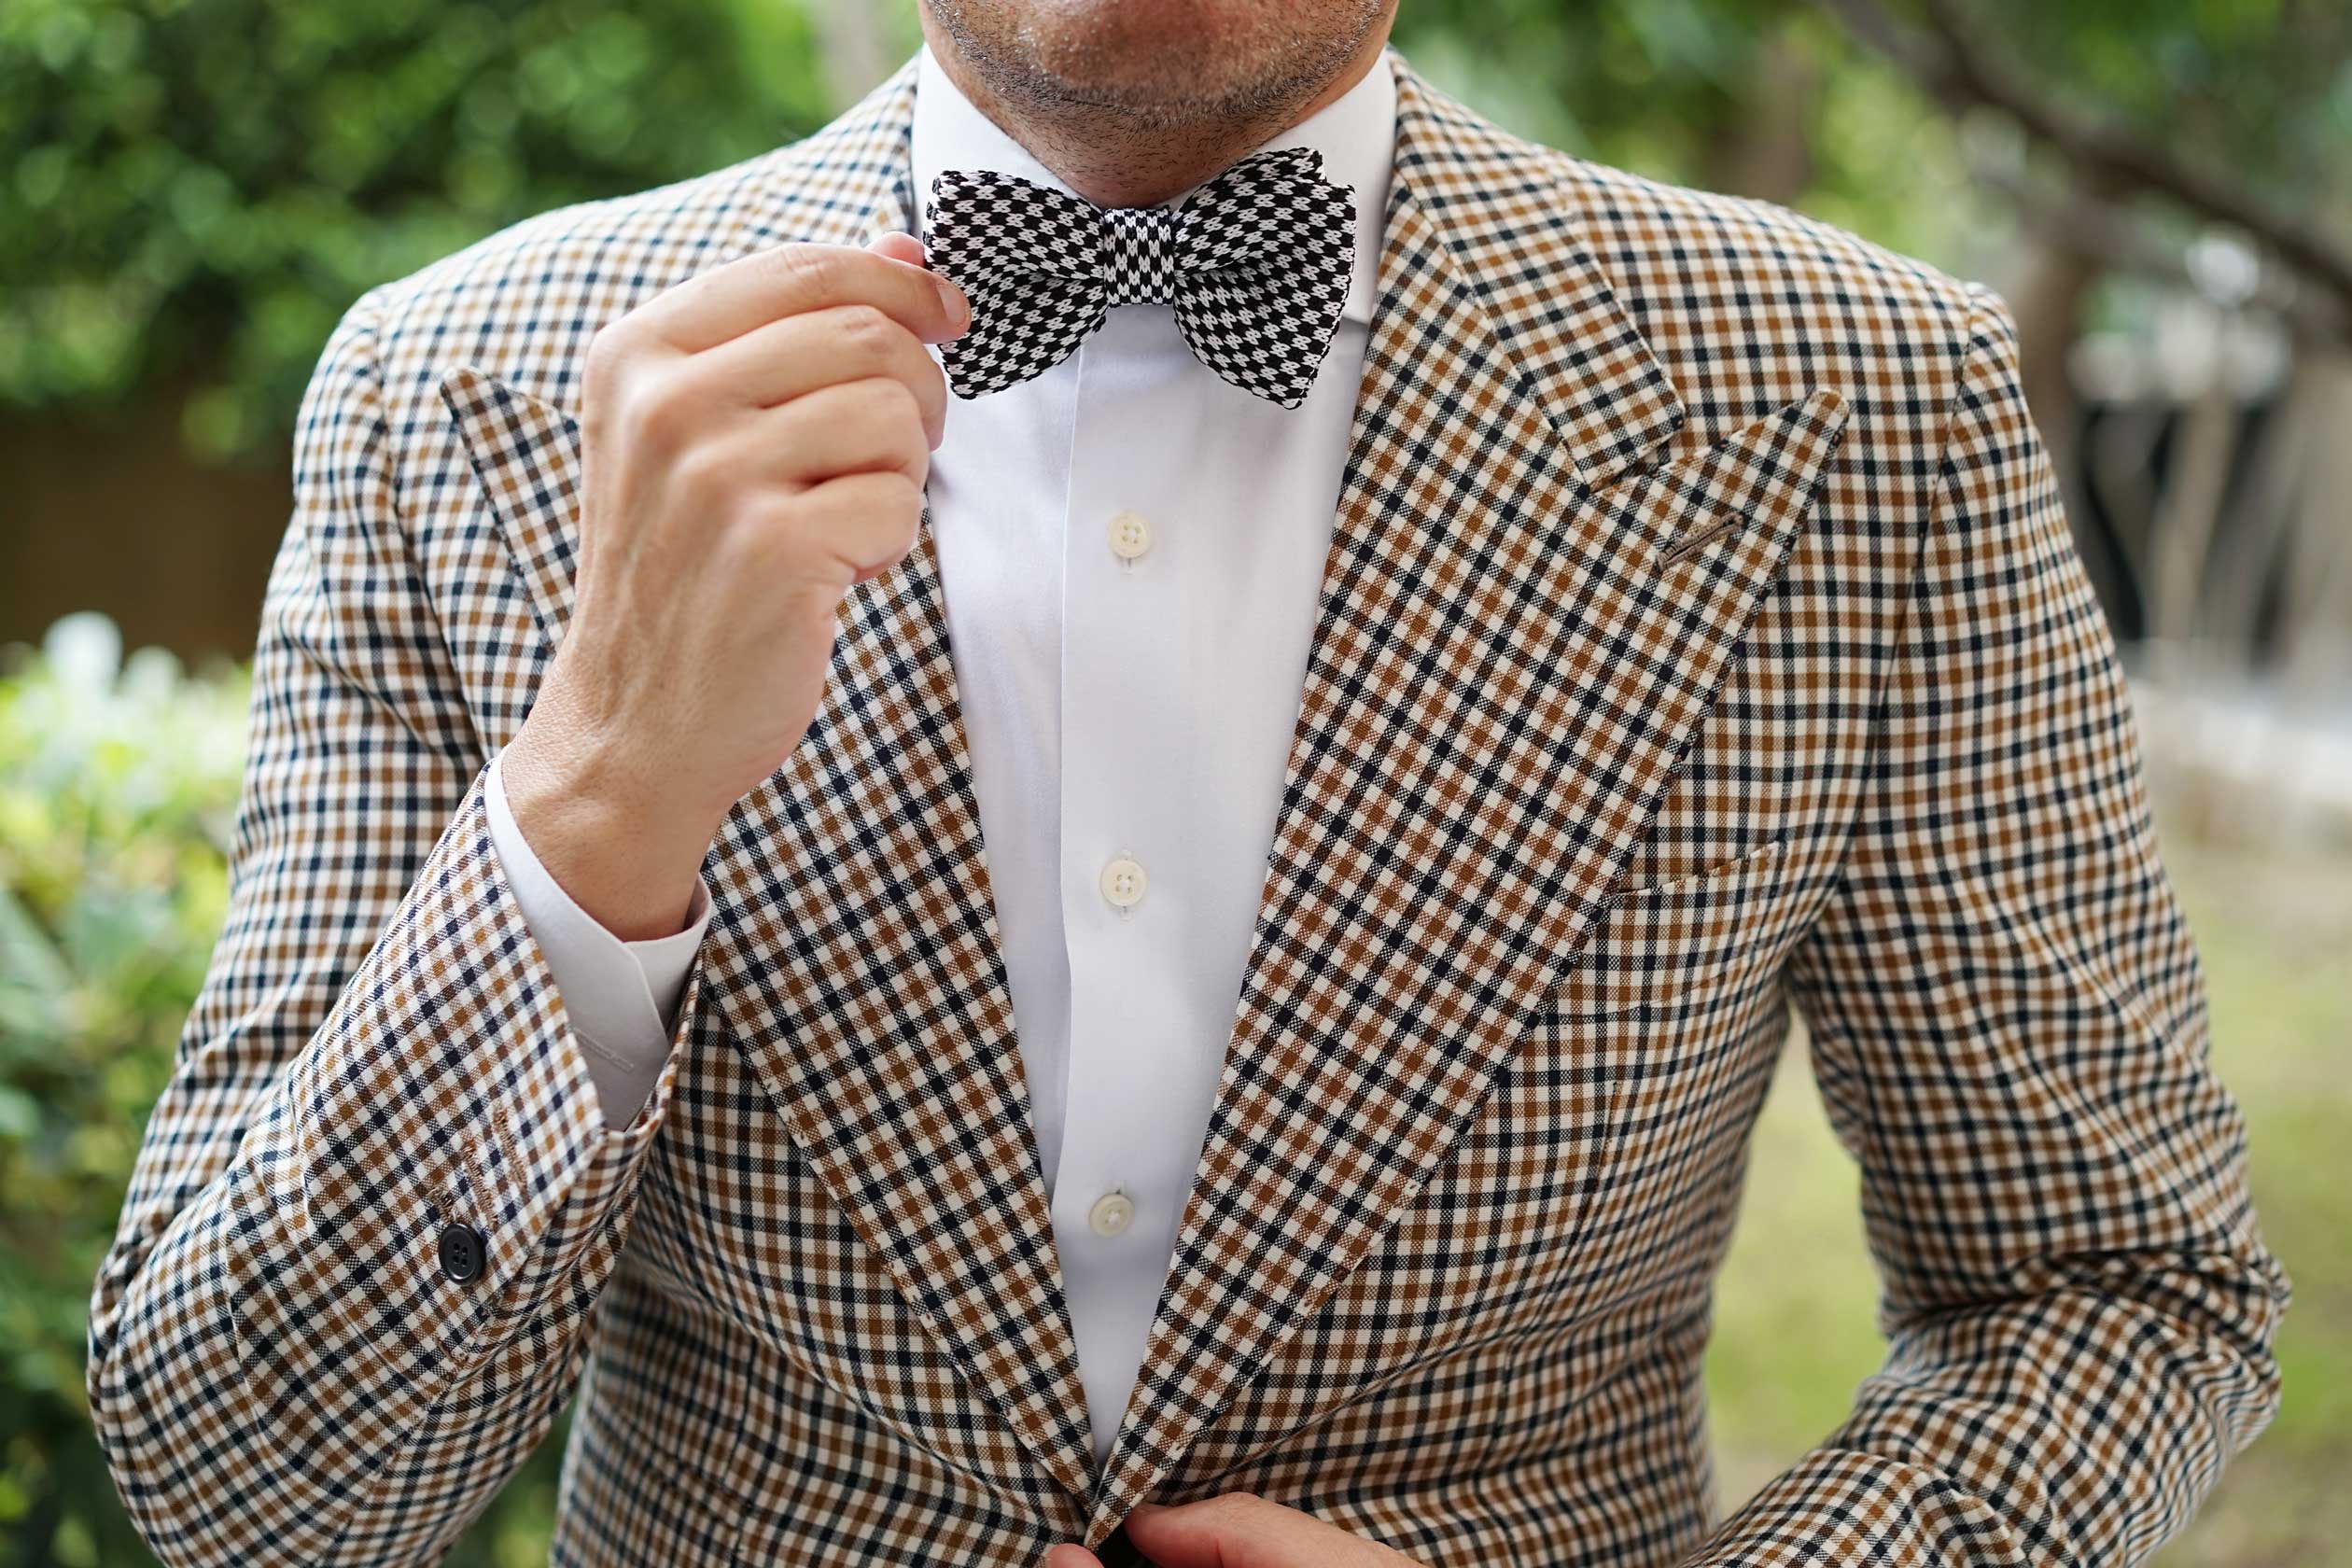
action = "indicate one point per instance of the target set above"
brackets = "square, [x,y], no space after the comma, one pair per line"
[623,849]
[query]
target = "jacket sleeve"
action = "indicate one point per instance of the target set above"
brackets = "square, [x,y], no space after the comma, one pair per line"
[2007,1027]
[282,1368]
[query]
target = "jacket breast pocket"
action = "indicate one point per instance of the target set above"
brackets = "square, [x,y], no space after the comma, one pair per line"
[1671,949]
[1668,1024]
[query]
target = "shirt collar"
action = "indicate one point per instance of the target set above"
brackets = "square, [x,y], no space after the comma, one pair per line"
[1355,133]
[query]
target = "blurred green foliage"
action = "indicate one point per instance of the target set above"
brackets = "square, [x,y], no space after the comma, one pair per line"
[2256,87]
[118,792]
[117,786]
[192,190]
[1778,98]
[199,186]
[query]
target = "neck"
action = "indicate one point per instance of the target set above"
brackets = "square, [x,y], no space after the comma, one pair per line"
[1119,156]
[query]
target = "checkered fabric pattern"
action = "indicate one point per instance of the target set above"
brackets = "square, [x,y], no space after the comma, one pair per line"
[1255,264]
[1701,635]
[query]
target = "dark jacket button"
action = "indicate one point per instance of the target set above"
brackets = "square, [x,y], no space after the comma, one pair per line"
[463,1252]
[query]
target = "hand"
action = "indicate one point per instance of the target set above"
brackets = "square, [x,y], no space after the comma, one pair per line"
[1237,1531]
[754,443]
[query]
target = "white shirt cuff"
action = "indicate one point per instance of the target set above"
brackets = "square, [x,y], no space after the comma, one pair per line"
[621,997]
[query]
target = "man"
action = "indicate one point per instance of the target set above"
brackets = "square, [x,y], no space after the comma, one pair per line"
[1446,642]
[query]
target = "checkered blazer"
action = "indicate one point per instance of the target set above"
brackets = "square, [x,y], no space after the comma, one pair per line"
[1700,632]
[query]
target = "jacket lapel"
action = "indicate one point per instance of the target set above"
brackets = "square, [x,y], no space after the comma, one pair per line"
[1518,638]
[854,955]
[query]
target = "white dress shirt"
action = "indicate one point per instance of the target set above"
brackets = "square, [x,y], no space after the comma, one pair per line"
[1131,552]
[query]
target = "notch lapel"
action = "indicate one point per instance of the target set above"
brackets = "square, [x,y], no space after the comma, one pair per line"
[854,956]
[1515,642]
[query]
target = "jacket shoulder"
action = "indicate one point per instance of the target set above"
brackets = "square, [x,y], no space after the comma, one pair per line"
[1749,305]
[522,302]
[1744,306]
[1749,242]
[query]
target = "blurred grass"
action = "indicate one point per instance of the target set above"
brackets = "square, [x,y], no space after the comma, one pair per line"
[1794,1331]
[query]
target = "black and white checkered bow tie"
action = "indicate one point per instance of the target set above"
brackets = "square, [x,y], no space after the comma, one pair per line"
[1255,262]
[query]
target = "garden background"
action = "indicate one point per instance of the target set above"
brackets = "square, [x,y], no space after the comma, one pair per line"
[192,190]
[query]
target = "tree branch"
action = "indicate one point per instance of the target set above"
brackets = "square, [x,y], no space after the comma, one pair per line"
[2099,228]
[1955,67]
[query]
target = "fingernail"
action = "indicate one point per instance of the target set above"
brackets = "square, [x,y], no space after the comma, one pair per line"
[958,308]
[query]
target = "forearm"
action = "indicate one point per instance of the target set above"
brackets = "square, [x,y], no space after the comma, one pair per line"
[1974,1444]
[293,1338]
[2009,1029]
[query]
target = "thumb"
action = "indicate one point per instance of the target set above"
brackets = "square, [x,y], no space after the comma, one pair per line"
[898,248]
[902,247]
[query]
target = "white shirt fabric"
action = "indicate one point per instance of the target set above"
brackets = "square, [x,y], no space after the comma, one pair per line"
[1120,705]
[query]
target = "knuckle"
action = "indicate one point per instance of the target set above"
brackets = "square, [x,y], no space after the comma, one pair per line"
[609,364]
[699,469]
[660,409]
[770,532]
[609,347]
[811,266]
[894,400]
[900,496]
[866,328]
[761,525]
[888,541]
[900,447]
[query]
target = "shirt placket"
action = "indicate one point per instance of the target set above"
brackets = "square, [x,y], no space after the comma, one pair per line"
[1129,1142]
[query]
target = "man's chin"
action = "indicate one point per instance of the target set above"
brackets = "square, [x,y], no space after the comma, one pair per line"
[1160,60]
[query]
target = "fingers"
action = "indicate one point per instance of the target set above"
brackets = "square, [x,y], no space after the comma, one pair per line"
[766,286]
[868,521]
[792,358]
[898,248]
[784,456]
[1240,1530]
[871,426]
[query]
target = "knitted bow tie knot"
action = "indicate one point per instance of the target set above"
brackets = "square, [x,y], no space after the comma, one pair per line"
[1138,256]
[1256,264]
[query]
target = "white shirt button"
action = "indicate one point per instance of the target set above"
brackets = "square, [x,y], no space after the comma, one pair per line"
[1130,535]
[1123,882]
[1110,1213]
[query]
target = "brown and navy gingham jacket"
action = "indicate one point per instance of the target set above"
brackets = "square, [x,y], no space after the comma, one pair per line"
[1701,634]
